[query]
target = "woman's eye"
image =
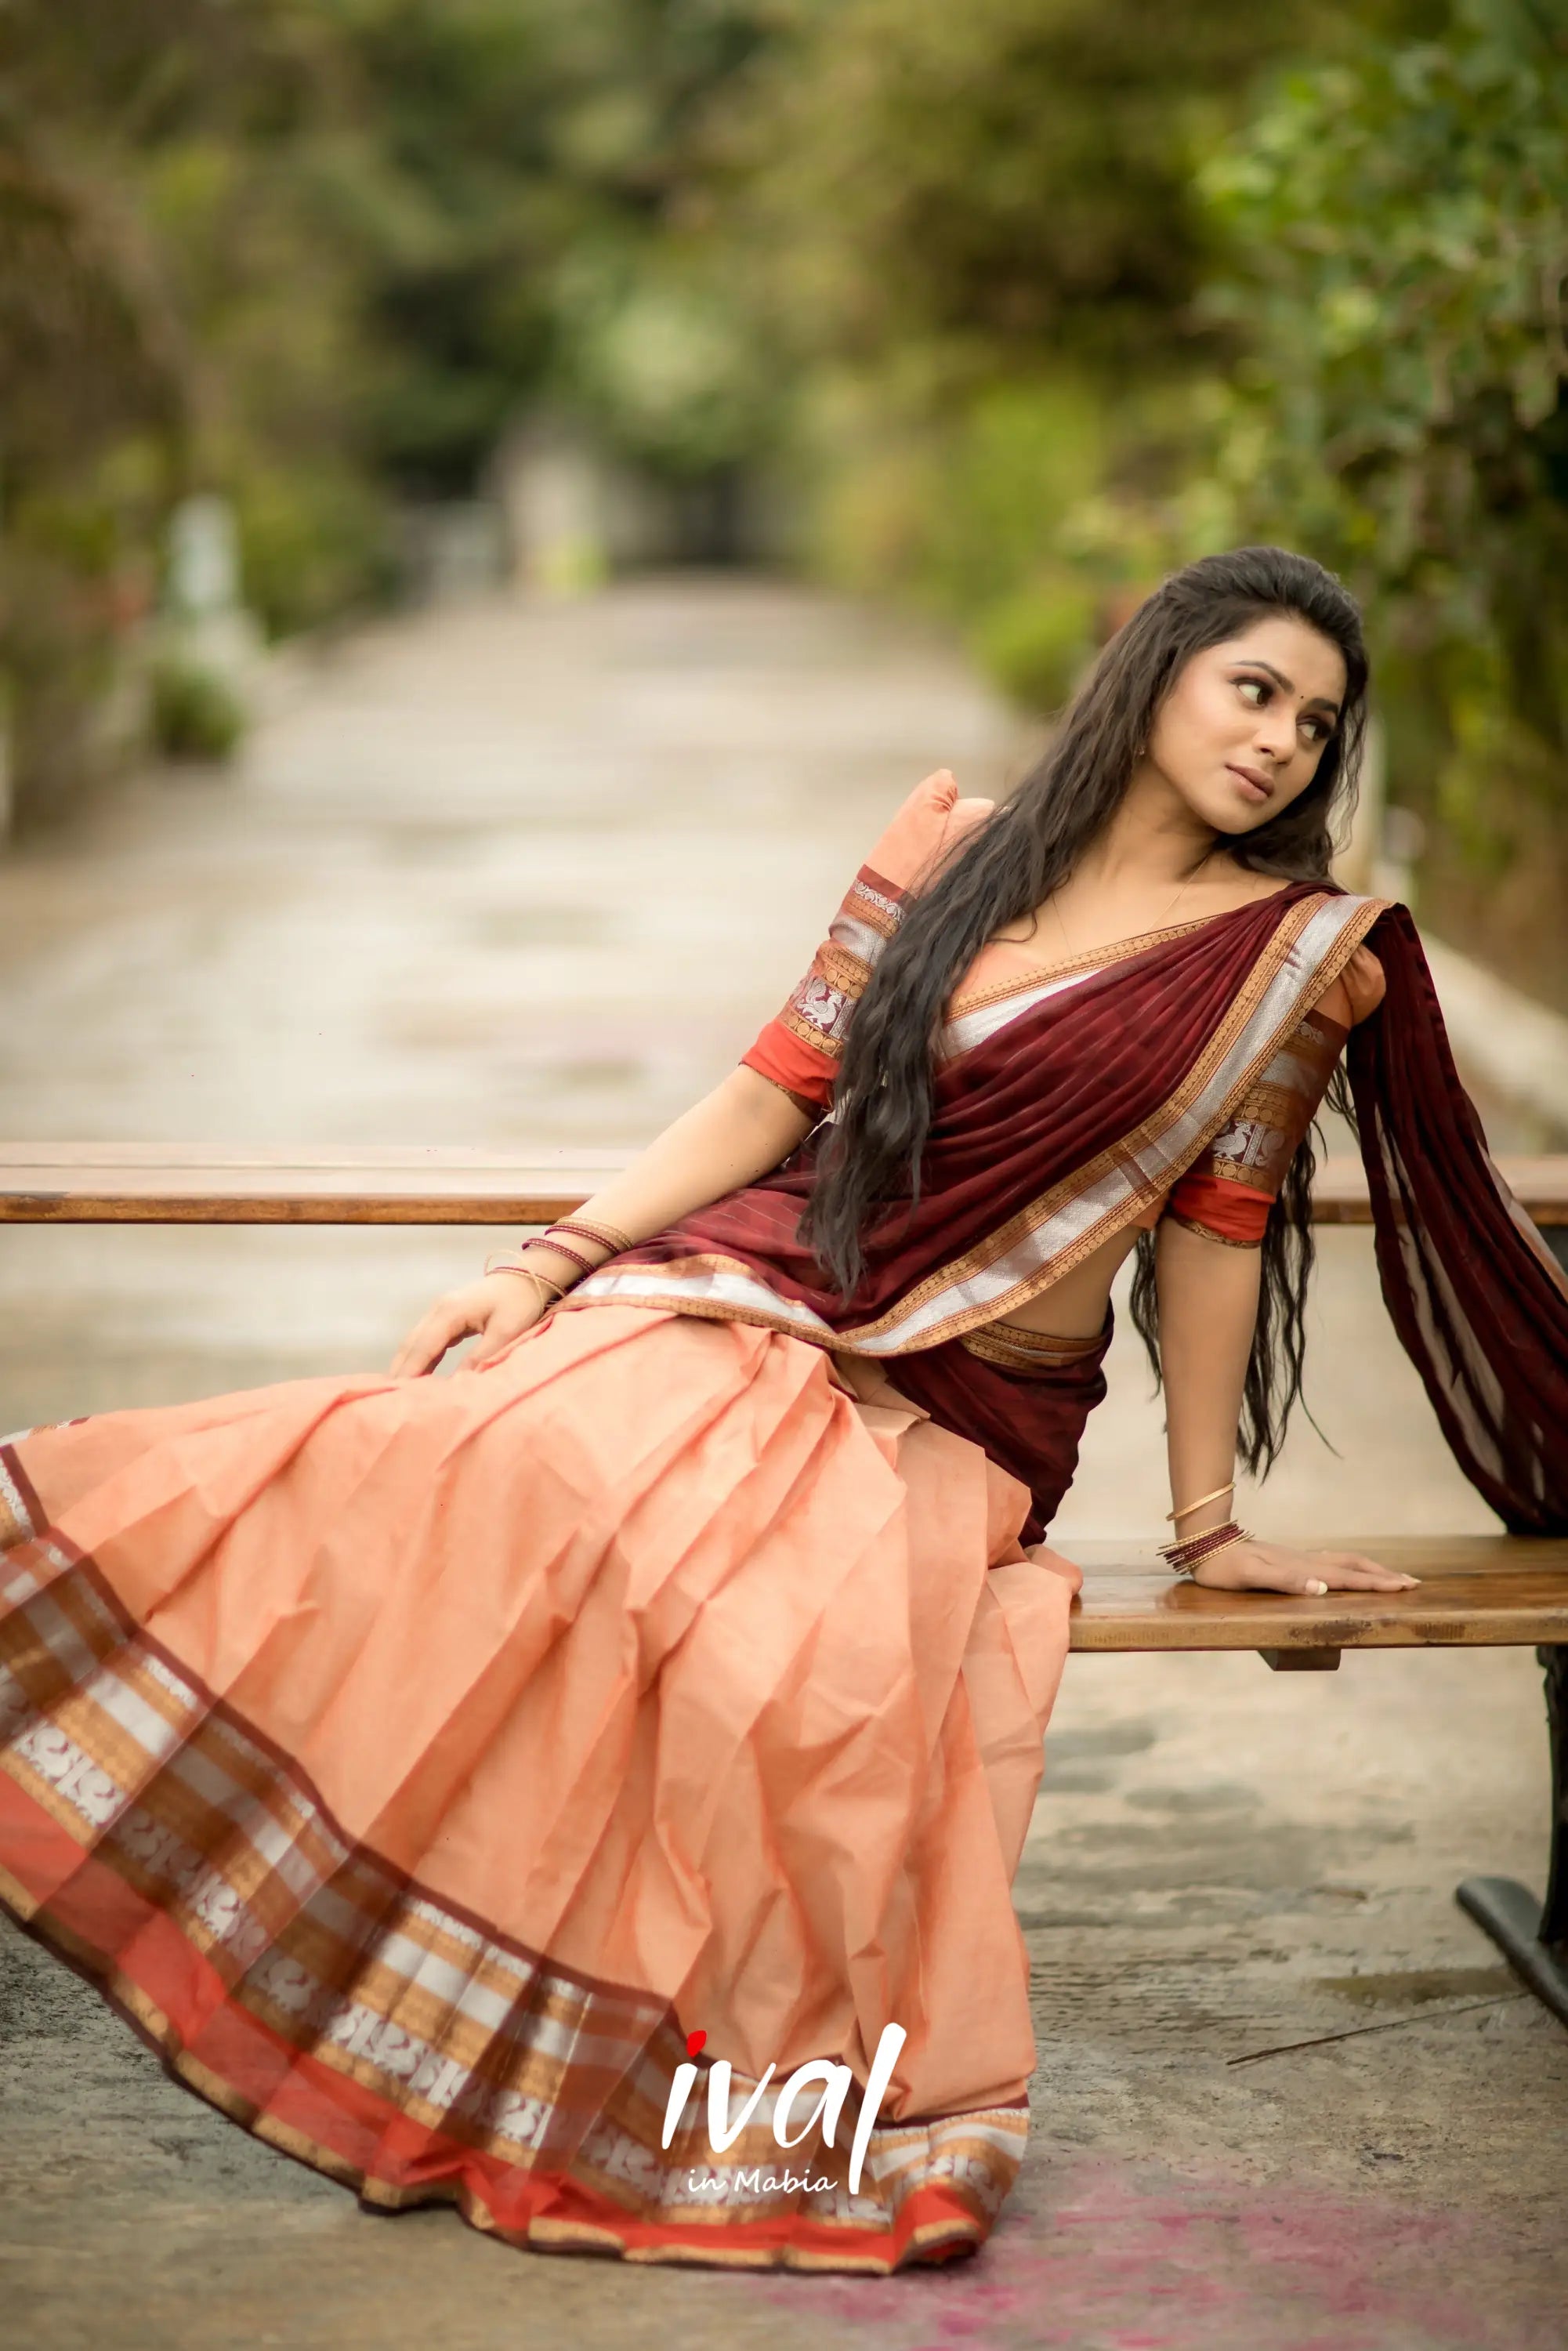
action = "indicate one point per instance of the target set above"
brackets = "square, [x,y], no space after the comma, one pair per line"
[1250,686]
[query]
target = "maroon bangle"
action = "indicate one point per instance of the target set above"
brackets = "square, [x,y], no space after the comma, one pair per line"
[1193,1547]
[561,1250]
[608,1239]
[1180,1556]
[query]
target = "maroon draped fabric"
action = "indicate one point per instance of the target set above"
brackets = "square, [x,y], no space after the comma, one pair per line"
[1030,1424]
[1027,1110]
[1088,1081]
[1480,1304]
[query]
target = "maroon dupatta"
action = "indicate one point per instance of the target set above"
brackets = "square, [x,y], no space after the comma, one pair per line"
[1479,1303]
[1062,1108]
[1065,1107]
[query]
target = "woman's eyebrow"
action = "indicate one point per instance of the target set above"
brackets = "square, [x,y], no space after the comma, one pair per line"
[1317,701]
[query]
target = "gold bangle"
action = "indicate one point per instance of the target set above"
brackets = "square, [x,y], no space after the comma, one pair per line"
[1187,1508]
[501,1263]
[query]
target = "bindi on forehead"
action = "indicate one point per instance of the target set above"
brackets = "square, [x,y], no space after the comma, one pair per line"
[1308,702]
[1293,651]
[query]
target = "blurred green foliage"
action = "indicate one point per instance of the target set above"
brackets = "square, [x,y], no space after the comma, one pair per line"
[1016,304]
[990,255]
[320,255]
[195,714]
[534,227]
[1087,290]
[173,313]
[1398,225]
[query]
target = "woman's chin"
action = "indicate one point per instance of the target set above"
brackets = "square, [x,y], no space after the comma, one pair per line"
[1241,809]
[1225,813]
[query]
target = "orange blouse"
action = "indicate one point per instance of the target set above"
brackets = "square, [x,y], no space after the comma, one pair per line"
[1229,1188]
[1227,1193]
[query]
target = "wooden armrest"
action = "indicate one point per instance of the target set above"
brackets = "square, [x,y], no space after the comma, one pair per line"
[170,1183]
[1477,1592]
[1540,1185]
[167,1184]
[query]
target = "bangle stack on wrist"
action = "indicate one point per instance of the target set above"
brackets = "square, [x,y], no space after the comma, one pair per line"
[608,1236]
[1181,1558]
[1181,1555]
[559,1248]
[513,1261]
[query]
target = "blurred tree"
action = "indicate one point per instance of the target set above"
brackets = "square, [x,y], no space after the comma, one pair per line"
[985,250]
[541,230]
[156,234]
[320,254]
[1008,180]
[315,254]
[1400,225]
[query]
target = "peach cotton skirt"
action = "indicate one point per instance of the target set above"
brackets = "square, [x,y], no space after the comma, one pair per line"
[419,1762]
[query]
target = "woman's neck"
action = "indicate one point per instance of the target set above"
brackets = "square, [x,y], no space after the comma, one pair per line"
[1153,839]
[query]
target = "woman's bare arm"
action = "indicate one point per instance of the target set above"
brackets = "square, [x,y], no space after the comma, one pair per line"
[736,1134]
[1208,1306]
[739,1132]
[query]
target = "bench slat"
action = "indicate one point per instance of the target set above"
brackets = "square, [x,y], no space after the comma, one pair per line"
[1477,1592]
[160,1183]
[163,1184]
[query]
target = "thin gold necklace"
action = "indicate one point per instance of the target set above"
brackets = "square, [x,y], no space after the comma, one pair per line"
[1160,925]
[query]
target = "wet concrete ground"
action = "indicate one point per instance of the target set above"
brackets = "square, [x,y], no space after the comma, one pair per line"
[504,875]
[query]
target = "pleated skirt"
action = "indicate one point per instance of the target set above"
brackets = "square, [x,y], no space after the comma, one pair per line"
[431,1768]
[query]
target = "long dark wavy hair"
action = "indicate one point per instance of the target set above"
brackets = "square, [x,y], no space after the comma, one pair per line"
[868,1158]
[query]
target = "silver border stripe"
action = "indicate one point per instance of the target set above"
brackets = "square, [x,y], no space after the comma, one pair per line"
[650,1285]
[1034,1253]
[856,938]
[984,1294]
[972,1028]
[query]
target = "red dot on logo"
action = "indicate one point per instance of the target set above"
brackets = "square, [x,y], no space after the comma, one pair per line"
[696,2043]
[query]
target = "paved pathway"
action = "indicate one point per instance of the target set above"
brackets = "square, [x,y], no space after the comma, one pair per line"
[512,874]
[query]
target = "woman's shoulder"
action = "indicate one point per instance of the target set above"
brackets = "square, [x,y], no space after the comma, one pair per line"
[923,829]
[1361,987]
[1357,992]
[1365,982]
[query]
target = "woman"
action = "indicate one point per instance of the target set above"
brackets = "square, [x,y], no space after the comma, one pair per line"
[435,1770]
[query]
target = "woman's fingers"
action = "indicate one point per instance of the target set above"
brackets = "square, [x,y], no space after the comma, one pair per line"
[497,1334]
[498,1309]
[1346,1579]
[1351,1571]
[429,1340]
[1273,1567]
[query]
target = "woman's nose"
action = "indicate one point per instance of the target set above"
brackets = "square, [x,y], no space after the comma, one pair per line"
[1276,733]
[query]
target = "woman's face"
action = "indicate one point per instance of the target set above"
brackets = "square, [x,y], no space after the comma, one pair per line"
[1240,735]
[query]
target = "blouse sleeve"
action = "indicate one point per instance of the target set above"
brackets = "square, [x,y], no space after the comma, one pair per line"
[1227,1193]
[800,1050]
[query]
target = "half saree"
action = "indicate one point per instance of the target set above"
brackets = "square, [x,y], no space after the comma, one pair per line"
[419,1763]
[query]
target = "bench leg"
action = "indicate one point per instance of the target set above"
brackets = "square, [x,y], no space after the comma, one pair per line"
[1535,1942]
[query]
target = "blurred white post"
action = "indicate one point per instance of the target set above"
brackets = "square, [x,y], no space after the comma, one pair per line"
[550,489]
[205,625]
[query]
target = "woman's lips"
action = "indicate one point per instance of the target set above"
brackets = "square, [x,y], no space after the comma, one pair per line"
[1256,787]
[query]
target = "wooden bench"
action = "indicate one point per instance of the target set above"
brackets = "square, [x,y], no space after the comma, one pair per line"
[168,1184]
[1477,1591]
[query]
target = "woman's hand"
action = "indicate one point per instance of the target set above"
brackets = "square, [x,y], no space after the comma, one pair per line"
[1254,1566]
[499,1309]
